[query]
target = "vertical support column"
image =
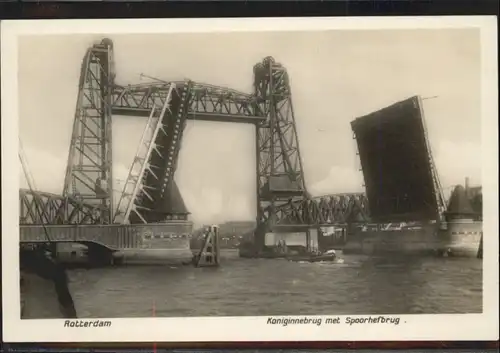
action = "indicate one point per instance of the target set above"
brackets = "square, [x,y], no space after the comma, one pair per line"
[89,173]
[280,176]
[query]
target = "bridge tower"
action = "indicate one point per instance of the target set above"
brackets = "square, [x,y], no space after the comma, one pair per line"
[280,177]
[89,173]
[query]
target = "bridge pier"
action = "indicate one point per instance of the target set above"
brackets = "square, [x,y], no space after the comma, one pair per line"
[99,256]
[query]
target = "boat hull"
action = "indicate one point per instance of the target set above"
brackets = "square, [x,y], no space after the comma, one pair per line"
[319,258]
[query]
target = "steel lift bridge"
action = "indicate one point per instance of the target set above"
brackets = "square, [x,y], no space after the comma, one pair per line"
[150,192]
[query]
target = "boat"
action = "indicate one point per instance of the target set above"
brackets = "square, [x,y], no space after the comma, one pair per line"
[327,256]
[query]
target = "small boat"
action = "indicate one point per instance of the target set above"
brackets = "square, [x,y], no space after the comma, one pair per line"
[329,255]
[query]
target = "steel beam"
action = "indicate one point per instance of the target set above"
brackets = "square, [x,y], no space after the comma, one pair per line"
[205,102]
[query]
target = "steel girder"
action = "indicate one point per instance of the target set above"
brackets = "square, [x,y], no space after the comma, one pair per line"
[325,210]
[46,208]
[89,174]
[205,102]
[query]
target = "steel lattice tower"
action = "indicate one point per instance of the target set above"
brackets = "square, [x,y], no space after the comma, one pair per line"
[89,174]
[279,167]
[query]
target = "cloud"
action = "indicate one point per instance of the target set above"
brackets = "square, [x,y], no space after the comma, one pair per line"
[216,205]
[339,180]
[457,160]
[46,170]
[454,162]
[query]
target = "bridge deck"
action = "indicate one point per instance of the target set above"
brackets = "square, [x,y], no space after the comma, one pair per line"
[114,237]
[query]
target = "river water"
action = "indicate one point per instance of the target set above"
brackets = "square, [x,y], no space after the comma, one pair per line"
[356,285]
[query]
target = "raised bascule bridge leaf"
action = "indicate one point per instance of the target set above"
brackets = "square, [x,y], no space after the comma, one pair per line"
[398,169]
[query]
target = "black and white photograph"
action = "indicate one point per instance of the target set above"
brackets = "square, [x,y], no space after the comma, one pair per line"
[283,183]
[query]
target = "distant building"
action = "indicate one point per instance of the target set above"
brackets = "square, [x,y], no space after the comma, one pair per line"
[465,202]
[472,191]
[475,196]
[459,204]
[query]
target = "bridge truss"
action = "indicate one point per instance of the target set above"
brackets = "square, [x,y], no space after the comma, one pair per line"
[321,210]
[46,208]
[88,189]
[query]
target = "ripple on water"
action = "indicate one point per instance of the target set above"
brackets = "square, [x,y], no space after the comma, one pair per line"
[275,287]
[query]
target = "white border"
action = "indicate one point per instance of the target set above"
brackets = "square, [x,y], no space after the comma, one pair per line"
[417,327]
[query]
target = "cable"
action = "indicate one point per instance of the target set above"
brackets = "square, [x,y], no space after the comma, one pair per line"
[24,165]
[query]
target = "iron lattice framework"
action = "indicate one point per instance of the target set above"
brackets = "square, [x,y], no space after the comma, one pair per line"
[321,210]
[324,210]
[89,174]
[46,208]
[204,102]
[280,178]
[281,189]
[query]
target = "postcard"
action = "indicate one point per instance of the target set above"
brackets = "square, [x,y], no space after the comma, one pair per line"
[305,179]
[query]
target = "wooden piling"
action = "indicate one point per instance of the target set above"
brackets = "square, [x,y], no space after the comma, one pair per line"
[480,250]
[209,255]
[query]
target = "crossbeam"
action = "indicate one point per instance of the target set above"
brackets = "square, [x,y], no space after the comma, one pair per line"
[194,116]
[206,102]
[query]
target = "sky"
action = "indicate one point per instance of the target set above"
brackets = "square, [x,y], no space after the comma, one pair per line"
[335,76]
